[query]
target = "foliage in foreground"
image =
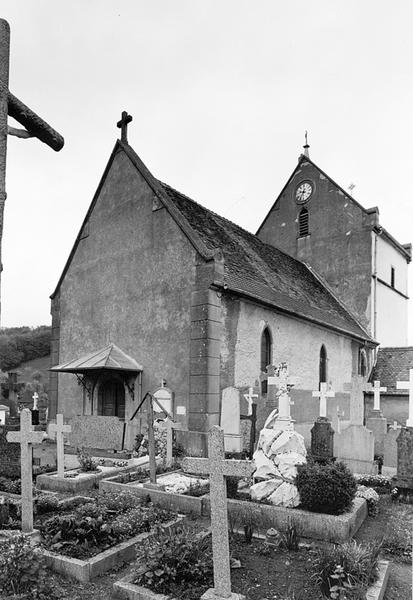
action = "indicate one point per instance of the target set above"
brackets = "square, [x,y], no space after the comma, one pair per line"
[96,526]
[326,488]
[398,536]
[349,567]
[171,560]
[23,572]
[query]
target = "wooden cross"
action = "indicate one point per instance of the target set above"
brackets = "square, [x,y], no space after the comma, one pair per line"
[377,389]
[408,385]
[217,467]
[323,394]
[13,107]
[250,399]
[26,437]
[123,126]
[59,429]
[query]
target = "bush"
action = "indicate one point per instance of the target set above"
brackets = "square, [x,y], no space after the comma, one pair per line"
[175,559]
[45,503]
[23,571]
[350,566]
[326,488]
[12,486]
[87,463]
[380,483]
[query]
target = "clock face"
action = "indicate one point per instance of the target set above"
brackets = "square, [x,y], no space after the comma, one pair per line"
[303,192]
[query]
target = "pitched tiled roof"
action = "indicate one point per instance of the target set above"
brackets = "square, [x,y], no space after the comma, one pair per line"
[110,358]
[263,272]
[393,365]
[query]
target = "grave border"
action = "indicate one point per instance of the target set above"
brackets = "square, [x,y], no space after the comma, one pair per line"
[86,570]
[124,589]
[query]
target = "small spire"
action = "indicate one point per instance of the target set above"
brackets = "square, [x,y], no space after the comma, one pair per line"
[306,146]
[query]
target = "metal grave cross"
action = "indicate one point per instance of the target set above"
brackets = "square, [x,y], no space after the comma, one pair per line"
[217,467]
[323,394]
[26,437]
[377,389]
[250,399]
[408,385]
[59,428]
[123,126]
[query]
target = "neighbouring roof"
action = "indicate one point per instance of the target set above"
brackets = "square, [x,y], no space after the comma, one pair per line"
[263,272]
[109,358]
[393,365]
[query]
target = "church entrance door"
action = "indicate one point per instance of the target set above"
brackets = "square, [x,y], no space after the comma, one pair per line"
[111,399]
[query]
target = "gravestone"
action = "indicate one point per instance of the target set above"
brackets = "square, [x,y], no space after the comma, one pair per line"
[250,400]
[281,380]
[408,385]
[231,420]
[404,476]
[4,413]
[9,455]
[26,437]
[217,467]
[92,431]
[390,447]
[376,422]
[322,433]
[35,409]
[59,429]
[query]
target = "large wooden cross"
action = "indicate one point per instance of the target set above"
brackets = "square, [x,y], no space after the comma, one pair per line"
[59,429]
[13,107]
[323,394]
[408,385]
[26,437]
[217,467]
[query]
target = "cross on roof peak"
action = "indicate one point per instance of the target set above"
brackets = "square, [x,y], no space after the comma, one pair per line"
[123,125]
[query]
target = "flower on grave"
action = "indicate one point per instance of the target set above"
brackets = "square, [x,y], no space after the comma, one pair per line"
[372,498]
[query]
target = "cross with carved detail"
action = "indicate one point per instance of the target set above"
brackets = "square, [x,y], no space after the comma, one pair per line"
[123,126]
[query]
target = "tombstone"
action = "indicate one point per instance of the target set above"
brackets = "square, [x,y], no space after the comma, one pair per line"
[26,437]
[357,387]
[35,410]
[408,385]
[250,400]
[4,413]
[404,476]
[217,467]
[284,383]
[390,448]
[59,429]
[231,420]
[336,420]
[163,400]
[322,433]
[376,422]
[93,431]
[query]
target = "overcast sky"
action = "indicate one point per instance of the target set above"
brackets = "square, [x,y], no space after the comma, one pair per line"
[221,92]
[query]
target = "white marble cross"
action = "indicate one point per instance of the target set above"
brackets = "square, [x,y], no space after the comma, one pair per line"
[377,389]
[170,426]
[217,467]
[59,429]
[250,399]
[35,400]
[323,394]
[284,384]
[408,385]
[26,437]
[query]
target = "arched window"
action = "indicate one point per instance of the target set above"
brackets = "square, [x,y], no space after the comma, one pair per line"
[323,364]
[303,222]
[111,398]
[362,363]
[266,355]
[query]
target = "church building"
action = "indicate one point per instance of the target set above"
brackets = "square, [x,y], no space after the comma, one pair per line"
[159,291]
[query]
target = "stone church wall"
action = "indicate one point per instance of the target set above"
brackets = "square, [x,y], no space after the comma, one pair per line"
[130,283]
[294,341]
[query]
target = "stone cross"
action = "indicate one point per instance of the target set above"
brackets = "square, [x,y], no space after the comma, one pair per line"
[357,387]
[408,385]
[35,400]
[123,126]
[323,394]
[217,467]
[60,429]
[250,399]
[284,384]
[26,437]
[377,389]
[170,426]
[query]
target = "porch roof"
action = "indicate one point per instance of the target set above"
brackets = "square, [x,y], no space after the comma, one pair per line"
[108,358]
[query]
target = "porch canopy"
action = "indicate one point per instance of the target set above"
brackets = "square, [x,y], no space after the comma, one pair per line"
[110,358]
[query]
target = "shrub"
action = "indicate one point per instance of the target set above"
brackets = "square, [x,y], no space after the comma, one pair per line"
[290,539]
[380,483]
[372,498]
[87,463]
[328,488]
[45,503]
[397,538]
[118,501]
[350,565]
[23,571]
[12,486]
[174,559]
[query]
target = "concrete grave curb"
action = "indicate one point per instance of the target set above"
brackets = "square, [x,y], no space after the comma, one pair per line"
[85,570]
[124,589]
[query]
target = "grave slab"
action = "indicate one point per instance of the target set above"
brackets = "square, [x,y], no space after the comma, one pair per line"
[355,447]
[91,431]
[322,440]
[377,424]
